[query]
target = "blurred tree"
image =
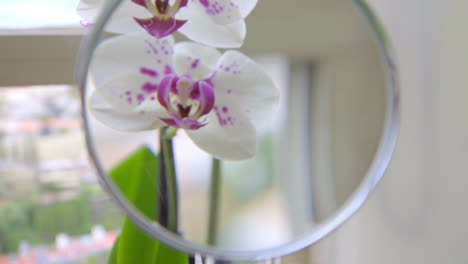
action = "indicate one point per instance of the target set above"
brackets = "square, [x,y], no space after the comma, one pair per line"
[15,226]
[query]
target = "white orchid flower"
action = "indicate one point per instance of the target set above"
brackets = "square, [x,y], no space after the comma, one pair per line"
[144,83]
[217,23]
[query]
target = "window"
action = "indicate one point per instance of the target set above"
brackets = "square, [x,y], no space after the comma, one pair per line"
[51,204]
[30,14]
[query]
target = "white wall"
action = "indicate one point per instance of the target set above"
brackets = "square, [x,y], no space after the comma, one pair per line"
[418,214]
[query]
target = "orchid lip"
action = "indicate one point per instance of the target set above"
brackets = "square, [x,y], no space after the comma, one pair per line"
[185,100]
[163,22]
[160,27]
[183,123]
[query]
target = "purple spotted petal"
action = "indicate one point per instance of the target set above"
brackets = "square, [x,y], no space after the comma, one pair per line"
[184,123]
[160,27]
[222,12]
[234,139]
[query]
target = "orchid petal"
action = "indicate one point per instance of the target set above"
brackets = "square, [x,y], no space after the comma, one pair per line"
[122,19]
[132,53]
[129,92]
[246,6]
[119,119]
[242,86]
[217,11]
[200,28]
[194,59]
[230,136]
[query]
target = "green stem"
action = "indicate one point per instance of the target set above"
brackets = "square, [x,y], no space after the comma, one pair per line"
[172,190]
[215,190]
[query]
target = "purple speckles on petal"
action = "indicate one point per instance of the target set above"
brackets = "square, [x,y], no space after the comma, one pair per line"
[149,87]
[232,68]
[215,8]
[195,63]
[205,3]
[229,91]
[168,69]
[140,98]
[127,96]
[151,46]
[149,72]
[223,118]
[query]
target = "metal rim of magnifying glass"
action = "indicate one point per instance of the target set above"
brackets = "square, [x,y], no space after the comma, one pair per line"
[354,202]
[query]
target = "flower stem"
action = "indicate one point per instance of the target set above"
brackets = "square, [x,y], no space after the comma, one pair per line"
[171,178]
[215,190]
[162,212]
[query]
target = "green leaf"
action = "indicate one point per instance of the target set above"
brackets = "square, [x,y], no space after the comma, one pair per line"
[136,246]
[140,165]
[138,179]
[169,255]
[113,254]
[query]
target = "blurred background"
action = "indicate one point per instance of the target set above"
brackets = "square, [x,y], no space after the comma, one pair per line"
[416,214]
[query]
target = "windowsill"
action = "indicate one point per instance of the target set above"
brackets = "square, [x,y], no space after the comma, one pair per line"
[45,31]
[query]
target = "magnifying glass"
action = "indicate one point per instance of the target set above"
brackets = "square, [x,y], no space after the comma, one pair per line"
[318,155]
